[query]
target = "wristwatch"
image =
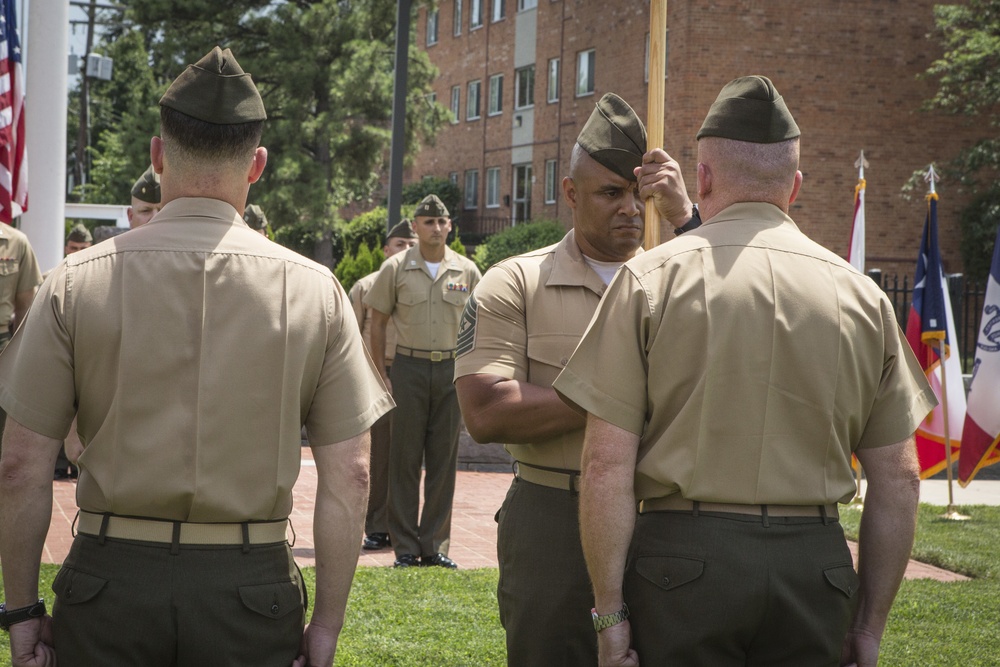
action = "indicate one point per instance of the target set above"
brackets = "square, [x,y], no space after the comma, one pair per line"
[606,621]
[9,617]
[693,223]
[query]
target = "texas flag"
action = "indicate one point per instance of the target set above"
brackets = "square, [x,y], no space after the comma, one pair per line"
[981,436]
[930,324]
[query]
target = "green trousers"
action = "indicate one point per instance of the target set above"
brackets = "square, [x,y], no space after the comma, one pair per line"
[544,592]
[728,590]
[425,427]
[129,603]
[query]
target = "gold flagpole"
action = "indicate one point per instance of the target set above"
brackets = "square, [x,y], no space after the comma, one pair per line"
[655,103]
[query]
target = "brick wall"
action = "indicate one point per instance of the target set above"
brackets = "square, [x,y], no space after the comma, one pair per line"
[847,69]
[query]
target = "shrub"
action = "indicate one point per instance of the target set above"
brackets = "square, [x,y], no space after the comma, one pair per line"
[516,240]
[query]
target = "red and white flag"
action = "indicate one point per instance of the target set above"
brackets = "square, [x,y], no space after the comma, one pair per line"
[981,436]
[13,161]
[856,256]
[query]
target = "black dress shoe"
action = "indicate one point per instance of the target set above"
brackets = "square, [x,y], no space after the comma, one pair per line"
[376,541]
[438,560]
[406,560]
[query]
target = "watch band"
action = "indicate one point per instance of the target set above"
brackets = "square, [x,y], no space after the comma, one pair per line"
[693,223]
[9,617]
[608,620]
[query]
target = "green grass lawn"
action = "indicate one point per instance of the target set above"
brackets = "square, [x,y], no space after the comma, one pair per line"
[449,619]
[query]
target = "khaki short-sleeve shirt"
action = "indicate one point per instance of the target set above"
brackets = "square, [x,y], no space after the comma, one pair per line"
[751,361]
[523,322]
[18,270]
[363,314]
[192,351]
[425,310]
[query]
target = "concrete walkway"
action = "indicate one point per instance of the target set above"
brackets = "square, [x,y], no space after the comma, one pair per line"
[478,495]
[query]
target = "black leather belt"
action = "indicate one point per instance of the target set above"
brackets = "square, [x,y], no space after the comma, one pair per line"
[431,355]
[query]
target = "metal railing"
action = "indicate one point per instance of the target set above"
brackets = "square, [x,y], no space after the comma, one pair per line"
[966,307]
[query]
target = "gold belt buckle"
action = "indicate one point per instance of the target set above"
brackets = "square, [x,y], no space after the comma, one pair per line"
[436,355]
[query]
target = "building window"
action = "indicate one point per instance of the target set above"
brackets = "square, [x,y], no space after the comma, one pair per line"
[493,187]
[499,10]
[458,17]
[524,87]
[553,94]
[496,94]
[432,27]
[585,73]
[666,57]
[475,14]
[550,181]
[453,177]
[456,93]
[472,100]
[526,4]
[472,188]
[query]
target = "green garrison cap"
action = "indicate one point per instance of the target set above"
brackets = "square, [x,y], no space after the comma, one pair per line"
[614,136]
[403,230]
[216,90]
[147,188]
[431,207]
[254,216]
[79,234]
[750,109]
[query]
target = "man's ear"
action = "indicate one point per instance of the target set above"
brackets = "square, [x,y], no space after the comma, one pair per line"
[259,162]
[569,191]
[795,188]
[156,154]
[704,180]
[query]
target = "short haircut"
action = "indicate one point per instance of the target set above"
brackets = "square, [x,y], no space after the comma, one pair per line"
[755,172]
[188,137]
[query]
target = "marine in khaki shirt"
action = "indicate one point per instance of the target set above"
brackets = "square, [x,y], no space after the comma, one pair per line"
[192,351]
[519,329]
[423,291]
[728,376]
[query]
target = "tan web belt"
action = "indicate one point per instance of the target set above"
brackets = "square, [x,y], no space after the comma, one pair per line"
[432,355]
[180,532]
[676,503]
[568,480]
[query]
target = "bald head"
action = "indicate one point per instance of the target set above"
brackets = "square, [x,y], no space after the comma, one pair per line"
[731,171]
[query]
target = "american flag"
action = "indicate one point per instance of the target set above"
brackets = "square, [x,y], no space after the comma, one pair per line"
[13,161]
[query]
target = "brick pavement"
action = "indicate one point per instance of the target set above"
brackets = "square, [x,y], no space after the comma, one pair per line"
[478,495]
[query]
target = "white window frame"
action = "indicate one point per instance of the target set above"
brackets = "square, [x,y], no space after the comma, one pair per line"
[471,194]
[520,72]
[586,63]
[458,18]
[499,10]
[432,26]
[453,177]
[456,103]
[550,181]
[475,14]
[496,95]
[525,5]
[493,187]
[473,100]
[553,81]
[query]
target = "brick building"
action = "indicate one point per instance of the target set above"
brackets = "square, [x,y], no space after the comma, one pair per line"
[522,76]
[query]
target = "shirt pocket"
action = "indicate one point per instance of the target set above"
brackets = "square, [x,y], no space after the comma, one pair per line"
[9,266]
[411,307]
[455,301]
[548,353]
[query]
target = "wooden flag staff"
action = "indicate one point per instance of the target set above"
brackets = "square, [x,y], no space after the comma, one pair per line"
[654,109]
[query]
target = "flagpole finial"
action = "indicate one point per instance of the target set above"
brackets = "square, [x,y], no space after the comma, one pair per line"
[931,177]
[861,163]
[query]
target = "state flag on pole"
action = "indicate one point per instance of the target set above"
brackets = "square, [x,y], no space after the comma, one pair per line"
[931,321]
[856,255]
[13,161]
[981,435]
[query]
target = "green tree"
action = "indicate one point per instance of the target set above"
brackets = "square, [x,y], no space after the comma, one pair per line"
[516,240]
[968,78]
[325,71]
[353,267]
[447,192]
